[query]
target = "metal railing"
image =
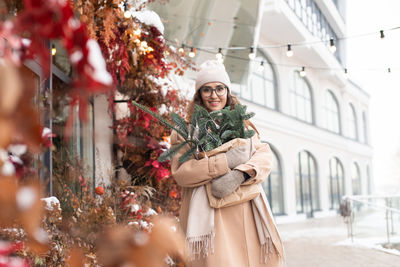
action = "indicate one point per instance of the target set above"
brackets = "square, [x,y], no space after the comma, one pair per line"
[365,216]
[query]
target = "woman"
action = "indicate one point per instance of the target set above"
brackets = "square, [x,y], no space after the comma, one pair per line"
[240,235]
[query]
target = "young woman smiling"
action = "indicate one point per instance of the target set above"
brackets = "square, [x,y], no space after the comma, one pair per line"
[244,233]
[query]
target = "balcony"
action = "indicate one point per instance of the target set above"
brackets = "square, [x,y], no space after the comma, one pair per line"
[305,22]
[315,21]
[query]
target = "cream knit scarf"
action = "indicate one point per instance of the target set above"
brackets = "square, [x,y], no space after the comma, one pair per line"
[200,226]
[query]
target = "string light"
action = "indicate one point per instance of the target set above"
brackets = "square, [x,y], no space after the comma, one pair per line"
[303,72]
[219,56]
[192,52]
[252,55]
[181,49]
[289,51]
[137,32]
[127,13]
[303,43]
[144,44]
[261,67]
[332,45]
[53,50]
[346,74]
[287,65]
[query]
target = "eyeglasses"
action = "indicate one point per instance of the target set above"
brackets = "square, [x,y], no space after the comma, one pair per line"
[207,91]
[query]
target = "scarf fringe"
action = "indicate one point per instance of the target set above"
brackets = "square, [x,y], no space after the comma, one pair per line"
[200,245]
[267,249]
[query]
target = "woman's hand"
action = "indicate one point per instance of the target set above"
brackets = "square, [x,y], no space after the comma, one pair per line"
[238,155]
[227,183]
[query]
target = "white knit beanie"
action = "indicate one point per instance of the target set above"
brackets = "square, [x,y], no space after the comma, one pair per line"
[212,71]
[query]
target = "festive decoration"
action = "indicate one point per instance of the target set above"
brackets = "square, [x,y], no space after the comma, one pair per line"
[206,130]
[41,20]
[139,61]
[99,190]
[74,226]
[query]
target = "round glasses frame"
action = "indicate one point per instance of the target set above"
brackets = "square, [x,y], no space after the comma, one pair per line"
[211,90]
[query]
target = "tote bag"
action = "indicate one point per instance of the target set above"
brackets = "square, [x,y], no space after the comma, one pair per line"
[244,192]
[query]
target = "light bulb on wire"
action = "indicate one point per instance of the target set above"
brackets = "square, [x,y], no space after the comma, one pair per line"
[181,49]
[144,44]
[219,56]
[252,55]
[261,66]
[192,52]
[303,72]
[53,50]
[332,45]
[346,74]
[127,13]
[137,32]
[289,51]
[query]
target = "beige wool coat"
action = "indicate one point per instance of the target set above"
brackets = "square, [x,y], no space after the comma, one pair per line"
[236,242]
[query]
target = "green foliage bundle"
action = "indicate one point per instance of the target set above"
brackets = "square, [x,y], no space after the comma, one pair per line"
[206,130]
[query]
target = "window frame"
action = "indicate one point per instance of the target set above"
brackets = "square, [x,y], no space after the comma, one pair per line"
[295,95]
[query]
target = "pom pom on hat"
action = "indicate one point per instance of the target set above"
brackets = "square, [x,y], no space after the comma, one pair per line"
[212,71]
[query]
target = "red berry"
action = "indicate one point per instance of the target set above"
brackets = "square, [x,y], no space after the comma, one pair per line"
[99,190]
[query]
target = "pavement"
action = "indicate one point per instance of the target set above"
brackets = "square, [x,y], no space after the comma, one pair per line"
[324,242]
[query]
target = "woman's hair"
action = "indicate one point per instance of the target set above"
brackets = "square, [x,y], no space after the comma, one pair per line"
[231,101]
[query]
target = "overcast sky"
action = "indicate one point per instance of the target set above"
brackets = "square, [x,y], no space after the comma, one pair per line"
[365,16]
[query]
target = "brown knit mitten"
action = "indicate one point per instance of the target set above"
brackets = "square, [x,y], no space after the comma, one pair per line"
[238,155]
[227,183]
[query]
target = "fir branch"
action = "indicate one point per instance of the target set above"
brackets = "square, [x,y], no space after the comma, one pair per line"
[180,123]
[159,118]
[167,154]
[187,154]
[206,130]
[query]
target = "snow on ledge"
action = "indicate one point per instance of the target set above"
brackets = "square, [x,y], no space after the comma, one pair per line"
[150,18]
[50,201]
[96,60]
[371,243]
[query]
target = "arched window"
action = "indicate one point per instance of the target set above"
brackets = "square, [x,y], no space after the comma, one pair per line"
[273,186]
[336,182]
[307,197]
[352,123]
[364,128]
[262,83]
[301,99]
[331,109]
[356,179]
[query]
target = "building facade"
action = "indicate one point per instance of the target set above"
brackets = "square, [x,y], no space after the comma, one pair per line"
[316,124]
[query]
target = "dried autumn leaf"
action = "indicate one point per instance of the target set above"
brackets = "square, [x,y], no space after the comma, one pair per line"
[7,129]
[166,238]
[122,245]
[10,88]
[22,205]
[76,257]
[8,189]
